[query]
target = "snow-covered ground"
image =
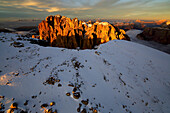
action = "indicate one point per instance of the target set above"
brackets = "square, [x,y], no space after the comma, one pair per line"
[118,77]
[133,33]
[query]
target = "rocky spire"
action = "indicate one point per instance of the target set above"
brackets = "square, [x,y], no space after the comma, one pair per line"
[61,31]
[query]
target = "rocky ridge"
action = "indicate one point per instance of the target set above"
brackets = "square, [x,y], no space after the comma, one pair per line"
[61,31]
[157,34]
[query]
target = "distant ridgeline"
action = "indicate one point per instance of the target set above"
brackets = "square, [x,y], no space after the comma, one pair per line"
[60,31]
[157,34]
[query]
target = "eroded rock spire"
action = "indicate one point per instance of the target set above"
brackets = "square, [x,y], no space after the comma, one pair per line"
[61,31]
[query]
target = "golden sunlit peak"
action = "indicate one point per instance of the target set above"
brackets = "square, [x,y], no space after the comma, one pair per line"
[168,23]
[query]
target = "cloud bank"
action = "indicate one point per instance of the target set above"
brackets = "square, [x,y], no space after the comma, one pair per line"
[117,9]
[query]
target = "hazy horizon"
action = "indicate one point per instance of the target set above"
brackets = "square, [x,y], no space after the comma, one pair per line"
[108,9]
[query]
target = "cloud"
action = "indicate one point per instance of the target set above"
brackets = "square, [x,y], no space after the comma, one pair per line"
[53,9]
[29,3]
[89,8]
[40,6]
[137,13]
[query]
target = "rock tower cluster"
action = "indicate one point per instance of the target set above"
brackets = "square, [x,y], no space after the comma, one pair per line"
[61,31]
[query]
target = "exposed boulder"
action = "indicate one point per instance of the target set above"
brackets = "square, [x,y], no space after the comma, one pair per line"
[61,31]
[17,44]
[157,34]
[14,105]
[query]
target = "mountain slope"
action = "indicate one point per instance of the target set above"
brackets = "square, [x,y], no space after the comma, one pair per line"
[133,33]
[119,76]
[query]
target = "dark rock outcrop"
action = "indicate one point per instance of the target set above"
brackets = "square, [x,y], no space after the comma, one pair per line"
[61,31]
[5,30]
[25,28]
[157,34]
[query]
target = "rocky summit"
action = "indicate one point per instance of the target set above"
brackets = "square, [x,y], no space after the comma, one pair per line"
[61,31]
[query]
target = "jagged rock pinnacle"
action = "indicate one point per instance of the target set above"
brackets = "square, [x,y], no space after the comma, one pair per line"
[61,31]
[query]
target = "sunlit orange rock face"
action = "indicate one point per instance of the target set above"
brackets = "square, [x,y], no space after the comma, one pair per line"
[61,31]
[158,34]
[159,22]
[166,24]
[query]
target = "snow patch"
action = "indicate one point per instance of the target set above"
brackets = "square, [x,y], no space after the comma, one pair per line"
[120,76]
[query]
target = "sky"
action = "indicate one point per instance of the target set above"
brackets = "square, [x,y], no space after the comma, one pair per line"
[85,9]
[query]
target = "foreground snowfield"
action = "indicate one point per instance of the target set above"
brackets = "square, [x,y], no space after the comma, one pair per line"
[118,77]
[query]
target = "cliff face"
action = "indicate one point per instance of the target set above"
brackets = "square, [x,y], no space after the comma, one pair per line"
[61,31]
[157,34]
